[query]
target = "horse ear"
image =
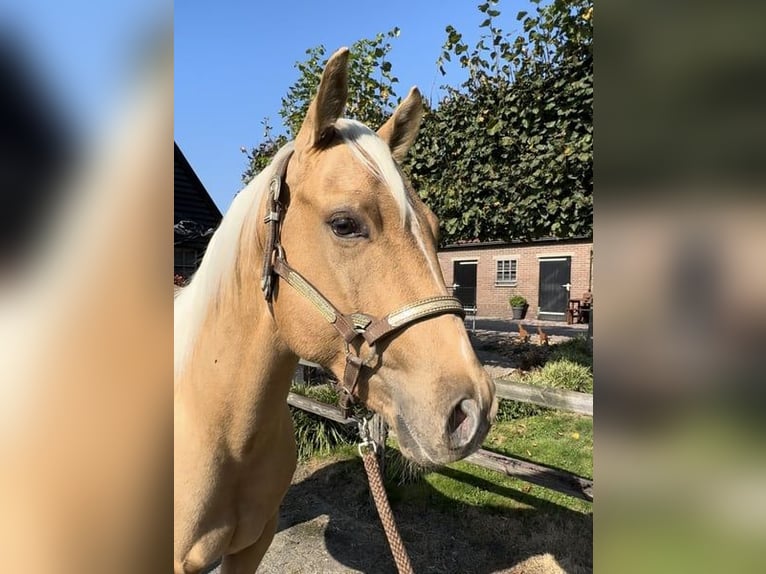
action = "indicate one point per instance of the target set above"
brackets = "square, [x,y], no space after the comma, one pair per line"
[402,127]
[329,102]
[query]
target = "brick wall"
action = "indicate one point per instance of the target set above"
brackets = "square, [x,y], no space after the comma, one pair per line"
[492,299]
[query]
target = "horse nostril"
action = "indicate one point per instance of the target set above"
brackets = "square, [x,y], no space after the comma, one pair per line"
[462,423]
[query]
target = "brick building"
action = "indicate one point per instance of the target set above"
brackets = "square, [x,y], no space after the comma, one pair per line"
[546,272]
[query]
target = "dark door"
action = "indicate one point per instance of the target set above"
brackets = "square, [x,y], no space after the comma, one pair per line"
[464,282]
[555,274]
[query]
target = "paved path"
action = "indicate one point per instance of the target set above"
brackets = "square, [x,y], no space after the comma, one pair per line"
[511,326]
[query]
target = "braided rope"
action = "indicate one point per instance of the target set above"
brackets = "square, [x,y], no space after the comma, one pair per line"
[386,515]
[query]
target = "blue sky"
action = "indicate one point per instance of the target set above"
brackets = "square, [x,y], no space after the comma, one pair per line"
[234,62]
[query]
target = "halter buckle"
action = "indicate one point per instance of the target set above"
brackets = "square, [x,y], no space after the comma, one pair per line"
[275,186]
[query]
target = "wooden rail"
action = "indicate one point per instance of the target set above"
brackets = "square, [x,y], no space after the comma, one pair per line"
[562,399]
[317,408]
[555,479]
[581,403]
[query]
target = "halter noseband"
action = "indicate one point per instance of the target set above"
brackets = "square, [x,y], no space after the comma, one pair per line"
[351,327]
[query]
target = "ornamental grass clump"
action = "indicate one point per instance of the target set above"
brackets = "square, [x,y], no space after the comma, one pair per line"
[317,435]
[563,374]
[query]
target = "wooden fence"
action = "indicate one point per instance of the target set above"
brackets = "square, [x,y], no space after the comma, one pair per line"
[562,399]
[541,475]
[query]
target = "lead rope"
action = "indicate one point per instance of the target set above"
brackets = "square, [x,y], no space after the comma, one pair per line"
[368,449]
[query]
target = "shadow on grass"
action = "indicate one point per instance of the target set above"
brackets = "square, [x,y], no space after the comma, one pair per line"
[441,534]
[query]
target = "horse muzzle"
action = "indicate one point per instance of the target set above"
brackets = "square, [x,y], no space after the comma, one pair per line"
[448,433]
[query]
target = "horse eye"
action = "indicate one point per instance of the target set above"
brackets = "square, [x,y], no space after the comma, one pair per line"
[345,227]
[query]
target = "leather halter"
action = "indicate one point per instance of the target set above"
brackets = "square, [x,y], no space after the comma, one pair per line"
[351,327]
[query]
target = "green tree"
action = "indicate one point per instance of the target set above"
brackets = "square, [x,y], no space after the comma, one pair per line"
[508,154]
[372,97]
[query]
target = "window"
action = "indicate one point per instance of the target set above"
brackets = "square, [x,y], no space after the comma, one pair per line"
[506,272]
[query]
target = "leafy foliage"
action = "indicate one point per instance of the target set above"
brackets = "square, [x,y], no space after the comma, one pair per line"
[260,156]
[508,155]
[372,95]
[508,410]
[371,83]
[517,301]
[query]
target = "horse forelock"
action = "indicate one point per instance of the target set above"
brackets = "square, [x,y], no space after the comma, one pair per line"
[374,154]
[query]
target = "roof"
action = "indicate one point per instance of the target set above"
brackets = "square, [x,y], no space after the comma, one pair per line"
[192,203]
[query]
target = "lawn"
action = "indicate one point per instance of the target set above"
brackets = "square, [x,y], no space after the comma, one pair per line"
[552,438]
[560,440]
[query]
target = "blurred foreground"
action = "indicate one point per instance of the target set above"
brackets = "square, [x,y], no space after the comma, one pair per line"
[680,281]
[86,315]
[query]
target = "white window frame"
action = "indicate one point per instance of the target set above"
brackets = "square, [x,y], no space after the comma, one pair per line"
[513,271]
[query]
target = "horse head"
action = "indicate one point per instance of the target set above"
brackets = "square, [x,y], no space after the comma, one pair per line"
[357,232]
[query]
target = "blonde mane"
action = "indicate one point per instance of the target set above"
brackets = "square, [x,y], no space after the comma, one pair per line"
[194,301]
[374,154]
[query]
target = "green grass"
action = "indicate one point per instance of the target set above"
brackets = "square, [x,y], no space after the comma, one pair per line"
[574,350]
[315,435]
[562,374]
[554,439]
[568,365]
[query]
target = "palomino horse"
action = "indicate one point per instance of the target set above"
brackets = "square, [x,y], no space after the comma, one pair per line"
[357,239]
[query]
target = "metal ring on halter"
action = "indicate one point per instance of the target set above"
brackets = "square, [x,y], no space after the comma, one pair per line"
[364,434]
[371,444]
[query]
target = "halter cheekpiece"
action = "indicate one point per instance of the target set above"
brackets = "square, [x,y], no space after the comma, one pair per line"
[351,327]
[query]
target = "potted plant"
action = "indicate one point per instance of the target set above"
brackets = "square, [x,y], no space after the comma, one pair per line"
[518,306]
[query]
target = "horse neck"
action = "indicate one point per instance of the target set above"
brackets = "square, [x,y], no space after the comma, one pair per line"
[239,371]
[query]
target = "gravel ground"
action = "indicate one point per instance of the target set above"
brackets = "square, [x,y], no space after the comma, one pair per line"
[328,525]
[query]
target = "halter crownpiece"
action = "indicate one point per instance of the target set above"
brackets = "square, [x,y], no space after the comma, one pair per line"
[273,220]
[351,327]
